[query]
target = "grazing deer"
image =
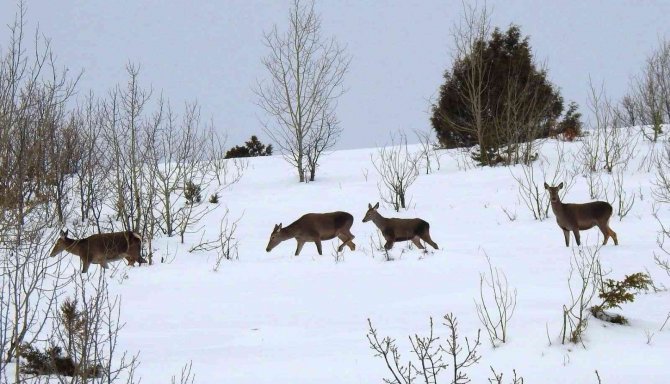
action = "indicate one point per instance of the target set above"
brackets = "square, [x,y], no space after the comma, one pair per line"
[395,230]
[315,227]
[576,217]
[102,248]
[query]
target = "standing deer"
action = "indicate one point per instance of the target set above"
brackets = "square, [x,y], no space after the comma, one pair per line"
[395,230]
[576,217]
[102,248]
[315,227]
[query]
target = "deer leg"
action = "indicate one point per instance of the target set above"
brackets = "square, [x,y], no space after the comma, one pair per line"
[350,243]
[388,245]
[416,242]
[613,234]
[299,248]
[87,263]
[318,246]
[566,234]
[103,263]
[346,240]
[576,232]
[605,232]
[427,239]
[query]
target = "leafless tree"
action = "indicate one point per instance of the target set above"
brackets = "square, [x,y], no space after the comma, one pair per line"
[430,156]
[430,356]
[32,89]
[186,376]
[91,166]
[647,103]
[607,146]
[226,171]
[225,244]
[583,281]
[125,118]
[622,200]
[88,326]
[306,73]
[474,27]
[398,168]
[495,314]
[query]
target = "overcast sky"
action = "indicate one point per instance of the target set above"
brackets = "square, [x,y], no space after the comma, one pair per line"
[210,50]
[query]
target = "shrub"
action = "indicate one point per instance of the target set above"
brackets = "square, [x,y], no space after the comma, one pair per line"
[214,199]
[251,148]
[614,293]
[192,193]
[571,125]
[496,96]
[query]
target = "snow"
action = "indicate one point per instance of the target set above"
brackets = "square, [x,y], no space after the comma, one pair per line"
[277,318]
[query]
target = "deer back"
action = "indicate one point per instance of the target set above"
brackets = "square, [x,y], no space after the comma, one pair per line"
[404,229]
[324,225]
[586,215]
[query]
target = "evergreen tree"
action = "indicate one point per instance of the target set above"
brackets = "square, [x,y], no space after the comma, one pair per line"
[251,148]
[497,97]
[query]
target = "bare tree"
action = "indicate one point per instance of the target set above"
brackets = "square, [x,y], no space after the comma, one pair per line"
[32,90]
[430,356]
[647,104]
[306,73]
[474,27]
[583,282]
[607,146]
[398,168]
[495,314]
[124,119]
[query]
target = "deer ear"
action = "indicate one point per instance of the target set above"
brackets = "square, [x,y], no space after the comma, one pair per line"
[560,186]
[376,205]
[369,206]
[546,186]
[280,226]
[63,233]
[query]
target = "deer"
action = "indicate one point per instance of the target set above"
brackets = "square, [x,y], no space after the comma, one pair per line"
[102,248]
[315,227]
[395,230]
[579,217]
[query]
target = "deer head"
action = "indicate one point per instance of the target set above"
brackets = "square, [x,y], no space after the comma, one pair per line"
[371,212]
[61,244]
[275,238]
[553,192]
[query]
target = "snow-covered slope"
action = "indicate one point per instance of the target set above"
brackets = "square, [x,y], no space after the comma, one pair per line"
[277,318]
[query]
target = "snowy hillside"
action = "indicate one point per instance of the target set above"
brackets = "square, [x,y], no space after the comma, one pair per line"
[277,318]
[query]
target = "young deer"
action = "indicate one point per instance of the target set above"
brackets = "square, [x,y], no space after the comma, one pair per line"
[315,227]
[576,217]
[102,248]
[395,230]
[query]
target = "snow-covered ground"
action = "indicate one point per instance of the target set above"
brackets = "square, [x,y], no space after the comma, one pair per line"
[277,318]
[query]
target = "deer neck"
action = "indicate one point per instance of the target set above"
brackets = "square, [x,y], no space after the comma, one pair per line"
[378,220]
[75,247]
[557,207]
[288,232]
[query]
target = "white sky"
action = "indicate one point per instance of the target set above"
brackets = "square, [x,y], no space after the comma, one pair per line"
[210,50]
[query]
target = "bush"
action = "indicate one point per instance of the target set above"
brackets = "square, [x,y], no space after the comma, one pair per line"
[251,148]
[47,362]
[495,96]
[214,199]
[614,293]
[571,125]
[192,193]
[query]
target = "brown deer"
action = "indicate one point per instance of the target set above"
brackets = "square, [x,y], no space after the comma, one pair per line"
[395,230]
[579,217]
[315,227]
[102,248]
